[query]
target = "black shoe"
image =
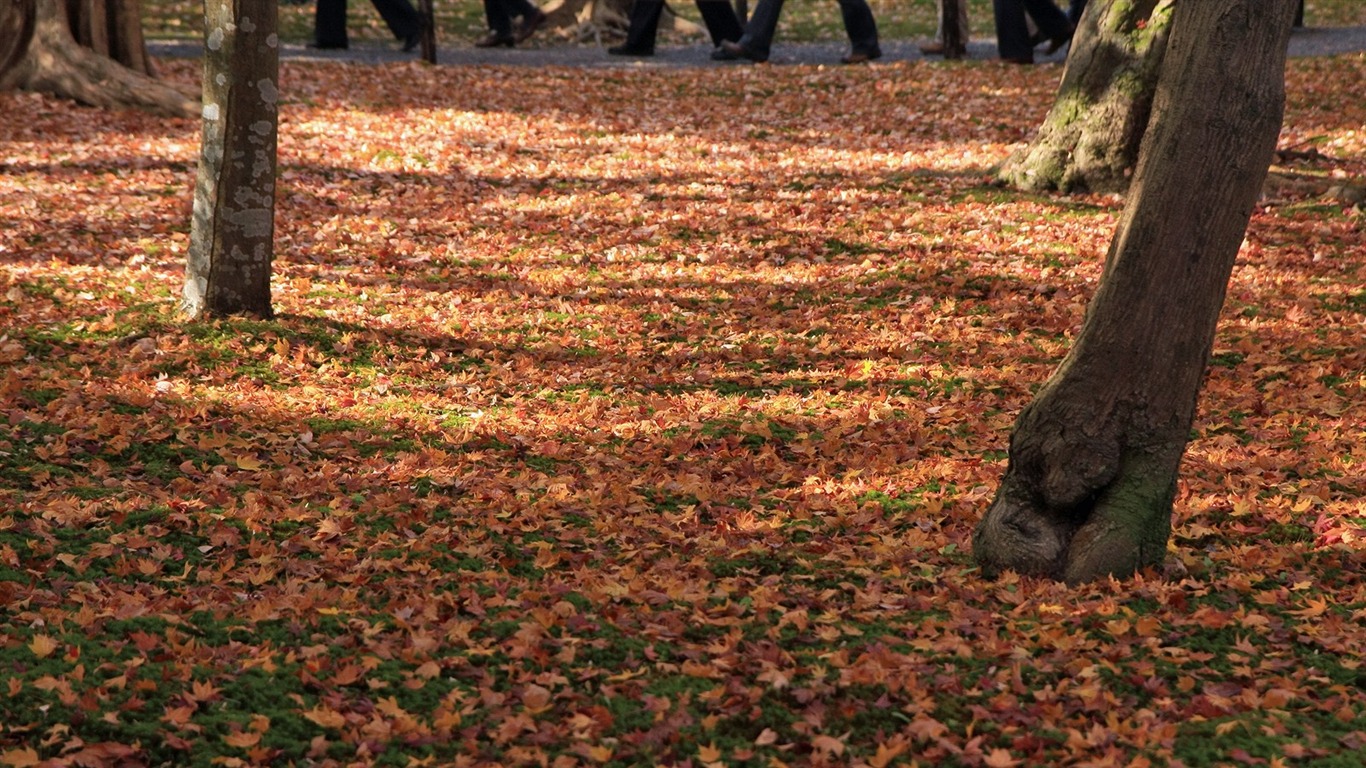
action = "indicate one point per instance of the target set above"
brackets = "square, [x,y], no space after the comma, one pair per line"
[328,46]
[861,57]
[495,40]
[530,25]
[411,42]
[1054,43]
[732,51]
[626,50]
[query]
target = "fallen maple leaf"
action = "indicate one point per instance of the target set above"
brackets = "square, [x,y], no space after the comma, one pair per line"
[1000,758]
[325,717]
[242,740]
[22,757]
[42,646]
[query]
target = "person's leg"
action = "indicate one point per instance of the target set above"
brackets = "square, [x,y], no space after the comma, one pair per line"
[1051,21]
[401,17]
[862,30]
[721,21]
[761,29]
[329,24]
[1074,10]
[1012,35]
[500,24]
[642,30]
[532,18]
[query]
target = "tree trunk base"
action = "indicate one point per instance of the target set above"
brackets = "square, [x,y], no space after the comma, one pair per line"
[54,63]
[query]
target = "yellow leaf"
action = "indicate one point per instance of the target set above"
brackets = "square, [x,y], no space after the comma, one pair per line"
[23,757]
[42,646]
[243,740]
[248,462]
[886,753]
[326,717]
[600,753]
[709,753]
[766,737]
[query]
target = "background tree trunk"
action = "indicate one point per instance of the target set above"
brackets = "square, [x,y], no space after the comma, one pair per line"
[1094,458]
[17,19]
[1089,141]
[111,28]
[233,231]
[955,37]
[51,60]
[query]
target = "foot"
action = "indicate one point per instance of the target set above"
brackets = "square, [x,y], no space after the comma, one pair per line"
[411,42]
[1054,43]
[861,57]
[1018,59]
[934,48]
[328,46]
[530,25]
[495,40]
[732,51]
[626,50]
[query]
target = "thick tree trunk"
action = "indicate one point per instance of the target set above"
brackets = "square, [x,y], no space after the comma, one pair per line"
[17,19]
[1090,139]
[53,62]
[1094,458]
[232,234]
[111,28]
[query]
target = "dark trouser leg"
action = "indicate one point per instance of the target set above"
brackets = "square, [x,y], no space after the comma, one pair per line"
[524,8]
[644,26]
[721,21]
[401,17]
[1049,18]
[1074,10]
[860,26]
[762,26]
[329,24]
[1012,35]
[500,21]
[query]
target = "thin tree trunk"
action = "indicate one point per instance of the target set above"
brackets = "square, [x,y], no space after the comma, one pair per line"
[1093,463]
[954,34]
[1089,141]
[53,62]
[232,234]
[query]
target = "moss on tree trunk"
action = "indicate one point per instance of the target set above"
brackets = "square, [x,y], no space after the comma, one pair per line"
[1089,141]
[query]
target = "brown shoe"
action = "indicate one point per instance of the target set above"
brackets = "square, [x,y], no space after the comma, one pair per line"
[935,48]
[495,40]
[530,25]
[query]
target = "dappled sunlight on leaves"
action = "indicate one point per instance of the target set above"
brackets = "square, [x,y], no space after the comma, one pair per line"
[614,418]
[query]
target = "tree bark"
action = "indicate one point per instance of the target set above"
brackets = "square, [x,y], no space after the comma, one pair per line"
[1093,460]
[233,230]
[111,28]
[52,61]
[1090,139]
[954,36]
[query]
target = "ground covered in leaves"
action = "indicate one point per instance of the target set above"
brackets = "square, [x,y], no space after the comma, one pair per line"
[622,419]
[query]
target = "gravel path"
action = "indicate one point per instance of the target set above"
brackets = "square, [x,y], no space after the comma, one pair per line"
[1309,41]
